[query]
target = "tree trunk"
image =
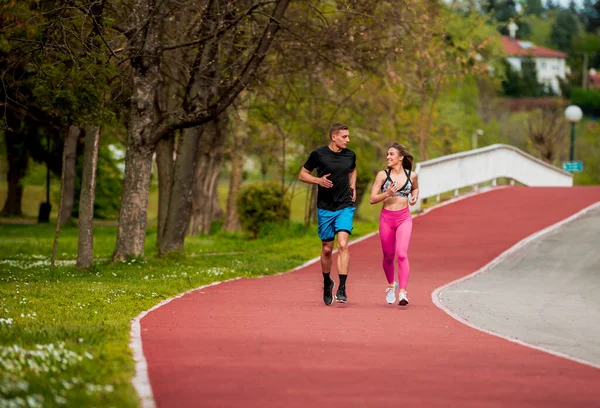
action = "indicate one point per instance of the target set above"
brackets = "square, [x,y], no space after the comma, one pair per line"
[180,201]
[145,51]
[204,196]
[68,186]
[164,164]
[85,246]
[239,135]
[232,220]
[131,233]
[60,204]
[17,158]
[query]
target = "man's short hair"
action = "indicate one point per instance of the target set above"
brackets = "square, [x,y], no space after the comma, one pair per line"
[336,127]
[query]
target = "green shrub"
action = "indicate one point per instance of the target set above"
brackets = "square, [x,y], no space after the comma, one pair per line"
[262,203]
[587,99]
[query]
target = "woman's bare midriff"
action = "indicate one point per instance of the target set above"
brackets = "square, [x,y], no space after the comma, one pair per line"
[395,203]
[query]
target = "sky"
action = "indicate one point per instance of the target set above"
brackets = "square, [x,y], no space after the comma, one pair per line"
[565,3]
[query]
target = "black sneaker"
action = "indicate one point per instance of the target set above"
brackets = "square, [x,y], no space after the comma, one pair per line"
[328,292]
[340,296]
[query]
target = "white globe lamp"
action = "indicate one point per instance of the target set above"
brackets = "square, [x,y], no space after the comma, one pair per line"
[573,114]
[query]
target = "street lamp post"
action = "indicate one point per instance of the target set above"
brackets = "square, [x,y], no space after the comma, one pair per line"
[573,114]
[474,137]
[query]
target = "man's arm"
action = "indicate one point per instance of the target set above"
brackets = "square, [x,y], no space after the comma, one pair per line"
[308,178]
[353,183]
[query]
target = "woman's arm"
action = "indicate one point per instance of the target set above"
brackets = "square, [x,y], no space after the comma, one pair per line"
[414,191]
[376,196]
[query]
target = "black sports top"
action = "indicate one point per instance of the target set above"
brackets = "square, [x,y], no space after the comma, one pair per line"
[406,188]
[339,165]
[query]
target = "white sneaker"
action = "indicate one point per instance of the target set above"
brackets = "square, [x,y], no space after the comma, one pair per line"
[390,293]
[402,299]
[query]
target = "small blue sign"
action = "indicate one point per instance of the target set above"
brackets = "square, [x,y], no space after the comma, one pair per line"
[573,167]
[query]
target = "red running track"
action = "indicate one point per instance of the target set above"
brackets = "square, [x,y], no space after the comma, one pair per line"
[271,342]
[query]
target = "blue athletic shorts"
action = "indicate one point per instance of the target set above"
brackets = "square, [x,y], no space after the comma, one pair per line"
[332,222]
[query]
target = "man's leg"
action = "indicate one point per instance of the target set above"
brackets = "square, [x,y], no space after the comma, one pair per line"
[327,236]
[326,258]
[343,263]
[343,228]
[326,261]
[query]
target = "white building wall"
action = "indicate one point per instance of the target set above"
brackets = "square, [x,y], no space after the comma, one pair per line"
[548,70]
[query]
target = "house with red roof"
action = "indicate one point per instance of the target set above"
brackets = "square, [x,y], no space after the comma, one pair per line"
[550,64]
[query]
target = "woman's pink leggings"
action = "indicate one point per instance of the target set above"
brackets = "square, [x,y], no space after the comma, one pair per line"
[395,228]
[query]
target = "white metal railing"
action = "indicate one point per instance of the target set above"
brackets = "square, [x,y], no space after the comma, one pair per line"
[455,171]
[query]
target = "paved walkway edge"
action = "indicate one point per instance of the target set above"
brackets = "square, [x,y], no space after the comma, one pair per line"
[437,294]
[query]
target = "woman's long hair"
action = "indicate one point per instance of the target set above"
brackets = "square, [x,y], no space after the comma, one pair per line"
[408,159]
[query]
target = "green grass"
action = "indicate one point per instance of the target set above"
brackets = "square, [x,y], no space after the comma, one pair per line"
[64,333]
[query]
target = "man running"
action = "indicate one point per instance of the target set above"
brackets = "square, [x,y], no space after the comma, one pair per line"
[336,177]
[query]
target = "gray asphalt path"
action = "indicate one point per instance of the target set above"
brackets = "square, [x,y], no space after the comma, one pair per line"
[546,293]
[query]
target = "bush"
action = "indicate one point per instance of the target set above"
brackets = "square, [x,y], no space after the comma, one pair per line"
[587,99]
[260,204]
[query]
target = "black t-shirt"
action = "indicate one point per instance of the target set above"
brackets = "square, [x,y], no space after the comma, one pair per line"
[338,164]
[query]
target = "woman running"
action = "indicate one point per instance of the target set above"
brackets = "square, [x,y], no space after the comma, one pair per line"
[393,186]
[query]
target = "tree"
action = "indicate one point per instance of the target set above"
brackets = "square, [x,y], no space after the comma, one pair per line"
[534,7]
[590,16]
[586,46]
[505,11]
[530,84]
[447,48]
[145,49]
[85,244]
[512,83]
[564,29]
[236,146]
[70,146]
[205,204]
[18,158]
[524,83]
[54,78]
[28,126]
[573,7]
[546,130]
